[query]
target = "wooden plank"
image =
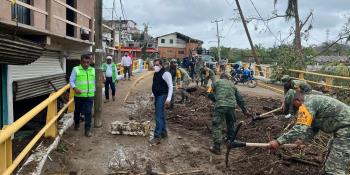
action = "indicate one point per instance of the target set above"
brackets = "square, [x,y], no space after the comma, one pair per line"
[30,7]
[75,10]
[70,22]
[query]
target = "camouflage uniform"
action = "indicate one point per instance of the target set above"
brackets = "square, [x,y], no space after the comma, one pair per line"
[226,96]
[208,74]
[186,80]
[296,86]
[328,115]
[198,69]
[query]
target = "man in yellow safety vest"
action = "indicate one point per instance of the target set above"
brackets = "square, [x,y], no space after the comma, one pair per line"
[82,80]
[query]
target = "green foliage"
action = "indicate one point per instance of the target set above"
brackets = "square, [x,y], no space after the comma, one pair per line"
[285,59]
[62,148]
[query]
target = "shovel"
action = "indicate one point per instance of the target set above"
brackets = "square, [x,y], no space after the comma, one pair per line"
[264,115]
[238,144]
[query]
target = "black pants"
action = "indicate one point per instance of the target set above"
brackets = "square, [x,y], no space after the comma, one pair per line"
[109,83]
[126,70]
[83,105]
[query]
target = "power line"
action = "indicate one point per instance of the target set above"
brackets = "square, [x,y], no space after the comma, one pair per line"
[122,10]
[265,22]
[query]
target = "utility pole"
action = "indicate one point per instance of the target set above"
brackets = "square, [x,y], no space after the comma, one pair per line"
[113,33]
[218,35]
[98,64]
[120,38]
[249,38]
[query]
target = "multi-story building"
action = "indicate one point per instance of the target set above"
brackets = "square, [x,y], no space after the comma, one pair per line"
[176,45]
[41,40]
[130,38]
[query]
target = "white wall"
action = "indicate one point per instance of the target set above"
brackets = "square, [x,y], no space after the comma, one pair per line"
[181,44]
[9,95]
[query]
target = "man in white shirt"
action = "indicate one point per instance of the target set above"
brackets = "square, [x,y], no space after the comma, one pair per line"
[110,73]
[162,90]
[126,63]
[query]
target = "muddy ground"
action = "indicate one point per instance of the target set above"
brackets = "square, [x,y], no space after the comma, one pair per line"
[193,120]
[186,148]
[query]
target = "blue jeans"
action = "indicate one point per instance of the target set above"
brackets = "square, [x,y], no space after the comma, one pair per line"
[109,82]
[160,116]
[83,105]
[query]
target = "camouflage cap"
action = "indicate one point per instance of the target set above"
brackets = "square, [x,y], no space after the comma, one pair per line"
[285,78]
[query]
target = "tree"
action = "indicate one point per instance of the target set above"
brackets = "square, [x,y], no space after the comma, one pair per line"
[145,38]
[292,11]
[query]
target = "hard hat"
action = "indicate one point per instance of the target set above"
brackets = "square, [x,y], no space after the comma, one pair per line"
[109,57]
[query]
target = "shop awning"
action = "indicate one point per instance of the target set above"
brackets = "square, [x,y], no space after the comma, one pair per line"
[15,51]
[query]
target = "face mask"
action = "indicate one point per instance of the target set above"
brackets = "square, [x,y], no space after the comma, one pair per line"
[156,68]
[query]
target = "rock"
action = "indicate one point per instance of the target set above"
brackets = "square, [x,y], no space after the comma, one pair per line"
[132,127]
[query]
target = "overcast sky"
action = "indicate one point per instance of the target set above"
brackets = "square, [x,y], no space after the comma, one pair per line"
[193,18]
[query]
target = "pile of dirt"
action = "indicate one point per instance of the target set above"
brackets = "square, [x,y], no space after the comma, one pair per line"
[194,119]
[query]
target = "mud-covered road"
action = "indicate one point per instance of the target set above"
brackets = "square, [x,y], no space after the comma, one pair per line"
[186,148]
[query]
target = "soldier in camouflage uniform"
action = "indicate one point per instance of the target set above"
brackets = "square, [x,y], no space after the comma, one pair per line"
[291,87]
[208,74]
[316,112]
[182,76]
[289,83]
[172,69]
[198,70]
[226,96]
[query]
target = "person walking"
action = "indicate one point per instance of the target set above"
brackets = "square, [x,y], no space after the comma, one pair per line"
[162,90]
[126,63]
[110,73]
[82,80]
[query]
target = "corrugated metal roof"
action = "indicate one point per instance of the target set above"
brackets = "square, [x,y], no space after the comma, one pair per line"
[15,51]
[329,59]
[47,64]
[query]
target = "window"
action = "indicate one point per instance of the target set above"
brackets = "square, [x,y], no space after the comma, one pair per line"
[71,16]
[181,52]
[170,51]
[162,40]
[171,41]
[20,13]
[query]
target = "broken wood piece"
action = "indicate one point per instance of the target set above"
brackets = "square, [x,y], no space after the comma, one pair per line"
[299,160]
[133,128]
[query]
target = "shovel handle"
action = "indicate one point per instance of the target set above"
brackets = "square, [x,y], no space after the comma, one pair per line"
[265,145]
[270,112]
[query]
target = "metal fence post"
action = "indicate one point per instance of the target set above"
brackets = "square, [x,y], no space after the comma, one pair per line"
[5,154]
[51,113]
[329,81]
[301,75]
[71,96]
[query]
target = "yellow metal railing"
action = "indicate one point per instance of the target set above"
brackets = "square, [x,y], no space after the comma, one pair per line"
[136,66]
[7,164]
[301,76]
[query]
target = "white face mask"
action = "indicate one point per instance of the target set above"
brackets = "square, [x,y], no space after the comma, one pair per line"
[156,68]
